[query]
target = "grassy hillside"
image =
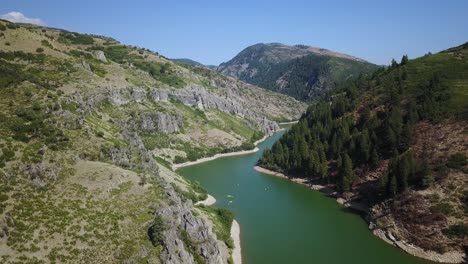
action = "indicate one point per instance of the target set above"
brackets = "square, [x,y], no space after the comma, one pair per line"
[187,61]
[89,129]
[395,141]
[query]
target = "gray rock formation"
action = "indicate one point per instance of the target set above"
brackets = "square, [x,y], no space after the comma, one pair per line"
[229,100]
[84,65]
[159,95]
[40,173]
[6,223]
[179,217]
[159,122]
[99,54]
[134,156]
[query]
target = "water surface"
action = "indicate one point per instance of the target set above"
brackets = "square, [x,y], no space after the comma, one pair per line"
[285,222]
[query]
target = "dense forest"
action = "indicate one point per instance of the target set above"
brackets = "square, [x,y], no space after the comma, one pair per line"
[306,77]
[371,119]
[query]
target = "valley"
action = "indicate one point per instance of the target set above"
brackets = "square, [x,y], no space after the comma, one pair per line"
[115,153]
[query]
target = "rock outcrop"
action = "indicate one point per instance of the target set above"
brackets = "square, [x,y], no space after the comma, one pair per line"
[159,122]
[227,100]
[99,54]
[179,218]
[40,173]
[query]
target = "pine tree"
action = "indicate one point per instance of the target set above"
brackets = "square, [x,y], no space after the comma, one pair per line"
[365,117]
[324,170]
[312,165]
[392,186]
[374,158]
[364,150]
[383,182]
[339,163]
[404,75]
[427,178]
[406,136]
[404,60]
[348,176]
[316,158]
[391,139]
[402,174]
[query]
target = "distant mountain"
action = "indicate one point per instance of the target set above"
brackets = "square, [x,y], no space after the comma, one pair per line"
[300,71]
[187,61]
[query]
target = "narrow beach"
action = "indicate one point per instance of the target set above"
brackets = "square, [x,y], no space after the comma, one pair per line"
[235,235]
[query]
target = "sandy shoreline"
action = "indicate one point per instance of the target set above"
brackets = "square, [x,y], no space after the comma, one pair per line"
[236,153]
[316,187]
[448,257]
[217,156]
[207,202]
[288,123]
[235,235]
[220,155]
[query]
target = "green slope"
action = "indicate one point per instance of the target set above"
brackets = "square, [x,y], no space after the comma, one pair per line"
[396,141]
[299,71]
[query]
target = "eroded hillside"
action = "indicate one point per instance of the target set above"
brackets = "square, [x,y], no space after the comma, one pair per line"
[89,130]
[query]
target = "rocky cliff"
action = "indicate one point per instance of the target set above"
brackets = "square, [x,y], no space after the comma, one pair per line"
[89,130]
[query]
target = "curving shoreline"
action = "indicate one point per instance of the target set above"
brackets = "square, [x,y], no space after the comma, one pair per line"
[217,156]
[236,153]
[220,155]
[210,200]
[448,257]
[288,123]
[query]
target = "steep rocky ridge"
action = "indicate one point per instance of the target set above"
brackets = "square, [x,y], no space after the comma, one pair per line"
[89,129]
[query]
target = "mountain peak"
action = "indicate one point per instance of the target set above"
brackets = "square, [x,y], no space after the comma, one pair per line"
[299,70]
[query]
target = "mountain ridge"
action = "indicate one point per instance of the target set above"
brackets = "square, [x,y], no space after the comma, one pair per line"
[300,71]
[90,130]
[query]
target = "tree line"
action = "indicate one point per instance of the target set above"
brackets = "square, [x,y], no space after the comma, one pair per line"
[363,122]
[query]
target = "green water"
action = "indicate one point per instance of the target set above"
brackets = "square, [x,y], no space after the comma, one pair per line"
[285,222]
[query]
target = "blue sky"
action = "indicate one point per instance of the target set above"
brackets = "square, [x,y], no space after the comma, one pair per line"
[213,31]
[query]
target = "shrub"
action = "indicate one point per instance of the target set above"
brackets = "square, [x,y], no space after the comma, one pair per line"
[7,44]
[464,201]
[458,230]
[442,208]
[76,38]
[156,230]
[179,159]
[457,161]
[100,134]
[46,43]
[222,230]
[2,27]
[11,26]
[39,50]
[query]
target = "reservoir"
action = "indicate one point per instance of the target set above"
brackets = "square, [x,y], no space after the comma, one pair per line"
[285,222]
